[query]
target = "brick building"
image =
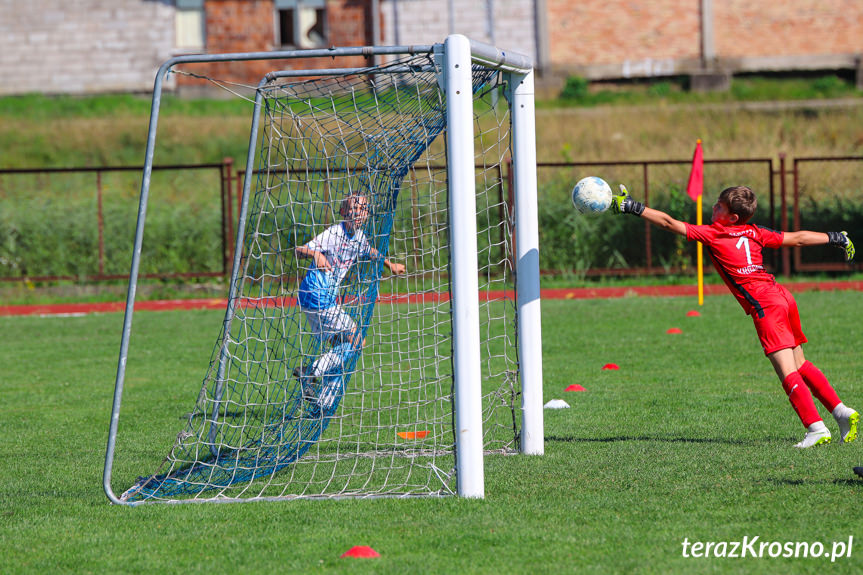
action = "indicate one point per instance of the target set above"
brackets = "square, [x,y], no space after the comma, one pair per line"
[623,38]
[92,46]
[268,25]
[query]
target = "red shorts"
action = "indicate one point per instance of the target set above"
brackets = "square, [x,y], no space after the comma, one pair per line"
[779,328]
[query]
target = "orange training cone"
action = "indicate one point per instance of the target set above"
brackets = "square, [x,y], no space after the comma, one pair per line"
[363,551]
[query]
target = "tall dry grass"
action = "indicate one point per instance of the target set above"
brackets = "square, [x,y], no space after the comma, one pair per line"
[733,131]
[609,133]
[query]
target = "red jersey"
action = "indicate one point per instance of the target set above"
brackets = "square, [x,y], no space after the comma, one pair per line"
[736,255]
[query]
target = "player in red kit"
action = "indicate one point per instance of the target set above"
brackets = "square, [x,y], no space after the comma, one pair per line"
[735,247]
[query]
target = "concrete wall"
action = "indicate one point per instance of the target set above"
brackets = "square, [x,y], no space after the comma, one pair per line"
[509,24]
[642,38]
[801,34]
[83,46]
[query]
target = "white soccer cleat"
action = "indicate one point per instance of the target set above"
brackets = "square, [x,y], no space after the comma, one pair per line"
[816,434]
[847,419]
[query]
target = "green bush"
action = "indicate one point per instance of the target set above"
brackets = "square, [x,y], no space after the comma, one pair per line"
[54,239]
[575,88]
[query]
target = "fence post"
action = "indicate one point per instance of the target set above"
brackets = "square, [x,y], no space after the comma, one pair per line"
[783,216]
[227,179]
[100,223]
[795,210]
[771,179]
[647,226]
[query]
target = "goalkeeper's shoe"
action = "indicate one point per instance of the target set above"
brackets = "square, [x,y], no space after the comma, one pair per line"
[817,434]
[847,420]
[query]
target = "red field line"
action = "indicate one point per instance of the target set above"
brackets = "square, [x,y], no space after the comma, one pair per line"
[685,290]
[549,293]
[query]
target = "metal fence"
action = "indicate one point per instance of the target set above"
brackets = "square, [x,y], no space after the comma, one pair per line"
[798,195]
[49,216]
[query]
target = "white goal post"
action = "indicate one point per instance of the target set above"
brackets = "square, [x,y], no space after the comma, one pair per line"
[424,375]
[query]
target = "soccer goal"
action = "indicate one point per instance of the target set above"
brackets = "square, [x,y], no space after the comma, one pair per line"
[405,379]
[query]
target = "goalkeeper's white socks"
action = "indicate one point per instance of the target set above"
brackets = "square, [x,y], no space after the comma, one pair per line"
[816,434]
[847,419]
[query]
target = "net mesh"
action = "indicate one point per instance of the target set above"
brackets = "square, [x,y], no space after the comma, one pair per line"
[288,411]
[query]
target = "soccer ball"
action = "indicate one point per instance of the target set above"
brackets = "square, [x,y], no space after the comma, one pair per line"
[591,195]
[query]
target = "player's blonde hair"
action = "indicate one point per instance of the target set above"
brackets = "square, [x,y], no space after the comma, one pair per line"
[741,201]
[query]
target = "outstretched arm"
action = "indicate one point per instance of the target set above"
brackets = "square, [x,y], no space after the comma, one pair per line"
[624,204]
[807,238]
[804,238]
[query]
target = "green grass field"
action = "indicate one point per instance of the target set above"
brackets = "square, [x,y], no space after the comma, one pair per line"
[691,438]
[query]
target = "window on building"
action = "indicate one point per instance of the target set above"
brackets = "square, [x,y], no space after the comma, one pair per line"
[190,25]
[301,23]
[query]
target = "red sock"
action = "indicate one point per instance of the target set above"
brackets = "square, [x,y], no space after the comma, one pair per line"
[801,399]
[819,385]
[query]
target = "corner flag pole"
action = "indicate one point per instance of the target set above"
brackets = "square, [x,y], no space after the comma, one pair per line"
[699,251]
[695,189]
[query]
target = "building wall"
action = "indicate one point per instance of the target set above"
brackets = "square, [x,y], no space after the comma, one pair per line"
[509,24]
[97,46]
[597,32]
[807,34]
[756,29]
[249,26]
[632,38]
[82,46]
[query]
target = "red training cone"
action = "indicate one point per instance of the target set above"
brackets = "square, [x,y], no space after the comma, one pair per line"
[692,313]
[363,551]
[574,387]
[610,366]
[674,330]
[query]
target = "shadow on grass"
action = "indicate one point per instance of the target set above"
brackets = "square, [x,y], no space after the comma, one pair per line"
[856,482]
[646,438]
[797,482]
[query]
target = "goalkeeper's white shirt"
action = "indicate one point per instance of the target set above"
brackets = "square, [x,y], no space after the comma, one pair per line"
[319,289]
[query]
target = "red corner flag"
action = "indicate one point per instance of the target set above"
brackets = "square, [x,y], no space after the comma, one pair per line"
[696,177]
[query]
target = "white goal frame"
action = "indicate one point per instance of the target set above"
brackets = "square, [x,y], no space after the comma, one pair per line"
[455,57]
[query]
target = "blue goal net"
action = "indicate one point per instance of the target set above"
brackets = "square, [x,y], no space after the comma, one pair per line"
[322,336]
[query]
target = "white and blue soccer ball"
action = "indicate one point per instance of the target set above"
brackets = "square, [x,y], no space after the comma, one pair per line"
[591,195]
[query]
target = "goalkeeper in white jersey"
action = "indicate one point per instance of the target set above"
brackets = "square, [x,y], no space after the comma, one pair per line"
[333,252]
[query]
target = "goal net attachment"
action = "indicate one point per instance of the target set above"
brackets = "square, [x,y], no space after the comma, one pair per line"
[381,333]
